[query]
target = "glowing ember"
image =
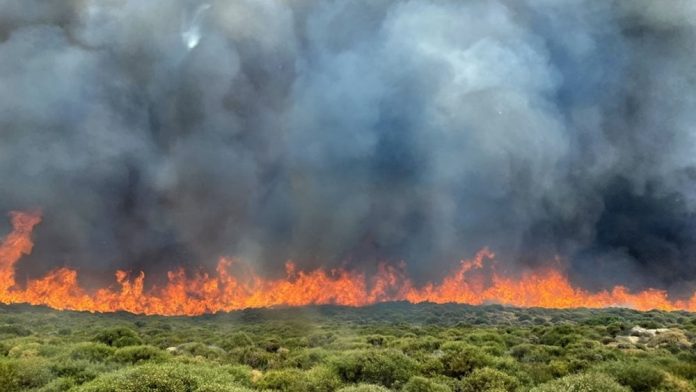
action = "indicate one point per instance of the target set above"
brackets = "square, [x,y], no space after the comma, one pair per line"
[203,293]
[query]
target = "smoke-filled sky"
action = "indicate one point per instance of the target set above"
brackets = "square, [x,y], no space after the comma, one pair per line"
[156,133]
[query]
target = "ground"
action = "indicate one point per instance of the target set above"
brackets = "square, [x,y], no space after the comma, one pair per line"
[385,347]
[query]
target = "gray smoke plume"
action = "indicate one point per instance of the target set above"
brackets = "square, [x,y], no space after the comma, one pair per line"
[155,133]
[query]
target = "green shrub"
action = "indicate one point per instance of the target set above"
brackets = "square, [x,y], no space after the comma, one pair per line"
[534,353]
[88,351]
[25,350]
[307,358]
[422,384]
[252,356]
[79,371]
[137,354]
[363,388]
[322,379]
[238,374]
[203,350]
[640,377]
[239,339]
[586,382]
[488,380]
[284,380]
[118,337]
[14,329]
[460,359]
[23,374]
[62,384]
[385,367]
[560,335]
[168,377]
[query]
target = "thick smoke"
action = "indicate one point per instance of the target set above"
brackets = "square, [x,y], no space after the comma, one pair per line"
[155,133]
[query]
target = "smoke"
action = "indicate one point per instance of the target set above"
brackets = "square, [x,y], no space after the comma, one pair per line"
[343,133]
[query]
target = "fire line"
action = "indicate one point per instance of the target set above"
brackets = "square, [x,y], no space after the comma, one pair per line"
[225,291]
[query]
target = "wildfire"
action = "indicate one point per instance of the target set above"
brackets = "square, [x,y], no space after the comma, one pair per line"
[225,291]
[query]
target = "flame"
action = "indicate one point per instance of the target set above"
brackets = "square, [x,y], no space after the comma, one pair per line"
[473,282]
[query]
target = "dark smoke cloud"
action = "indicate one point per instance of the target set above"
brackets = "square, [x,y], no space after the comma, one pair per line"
[158,133]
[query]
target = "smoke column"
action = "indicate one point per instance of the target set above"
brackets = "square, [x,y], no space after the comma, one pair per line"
[166,133]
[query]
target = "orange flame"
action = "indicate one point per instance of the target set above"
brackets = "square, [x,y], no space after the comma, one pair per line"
[224,291]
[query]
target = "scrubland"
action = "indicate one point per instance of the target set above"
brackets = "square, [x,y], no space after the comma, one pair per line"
[385,347]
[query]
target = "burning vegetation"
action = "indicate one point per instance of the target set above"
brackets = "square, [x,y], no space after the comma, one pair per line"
[471,283]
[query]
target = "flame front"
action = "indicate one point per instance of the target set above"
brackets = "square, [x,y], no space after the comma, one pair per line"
[225,291]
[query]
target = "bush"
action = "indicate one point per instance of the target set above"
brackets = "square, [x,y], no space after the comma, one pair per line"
[533,353]
[239,339]
[13,329]
[118,337]
[640,377]
[62,384]
[385,367]
[165,378]
[203,350]
[488,380]
[252,356]
[322,379]
[23,374]
[364,388]
[24,350]
[461,359]
[79,371]
[284,380]
[422,384]
[587,382]
[137,354]
[95,352]
[561,335]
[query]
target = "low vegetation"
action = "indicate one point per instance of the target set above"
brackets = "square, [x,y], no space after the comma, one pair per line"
[386,347]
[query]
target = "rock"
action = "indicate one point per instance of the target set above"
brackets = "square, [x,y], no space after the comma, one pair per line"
[631,340]
[648,333]
[670,338]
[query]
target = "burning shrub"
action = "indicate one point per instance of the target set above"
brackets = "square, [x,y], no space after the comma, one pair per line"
[118,337]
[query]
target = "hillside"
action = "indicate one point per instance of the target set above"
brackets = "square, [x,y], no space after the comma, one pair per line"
[397,346]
